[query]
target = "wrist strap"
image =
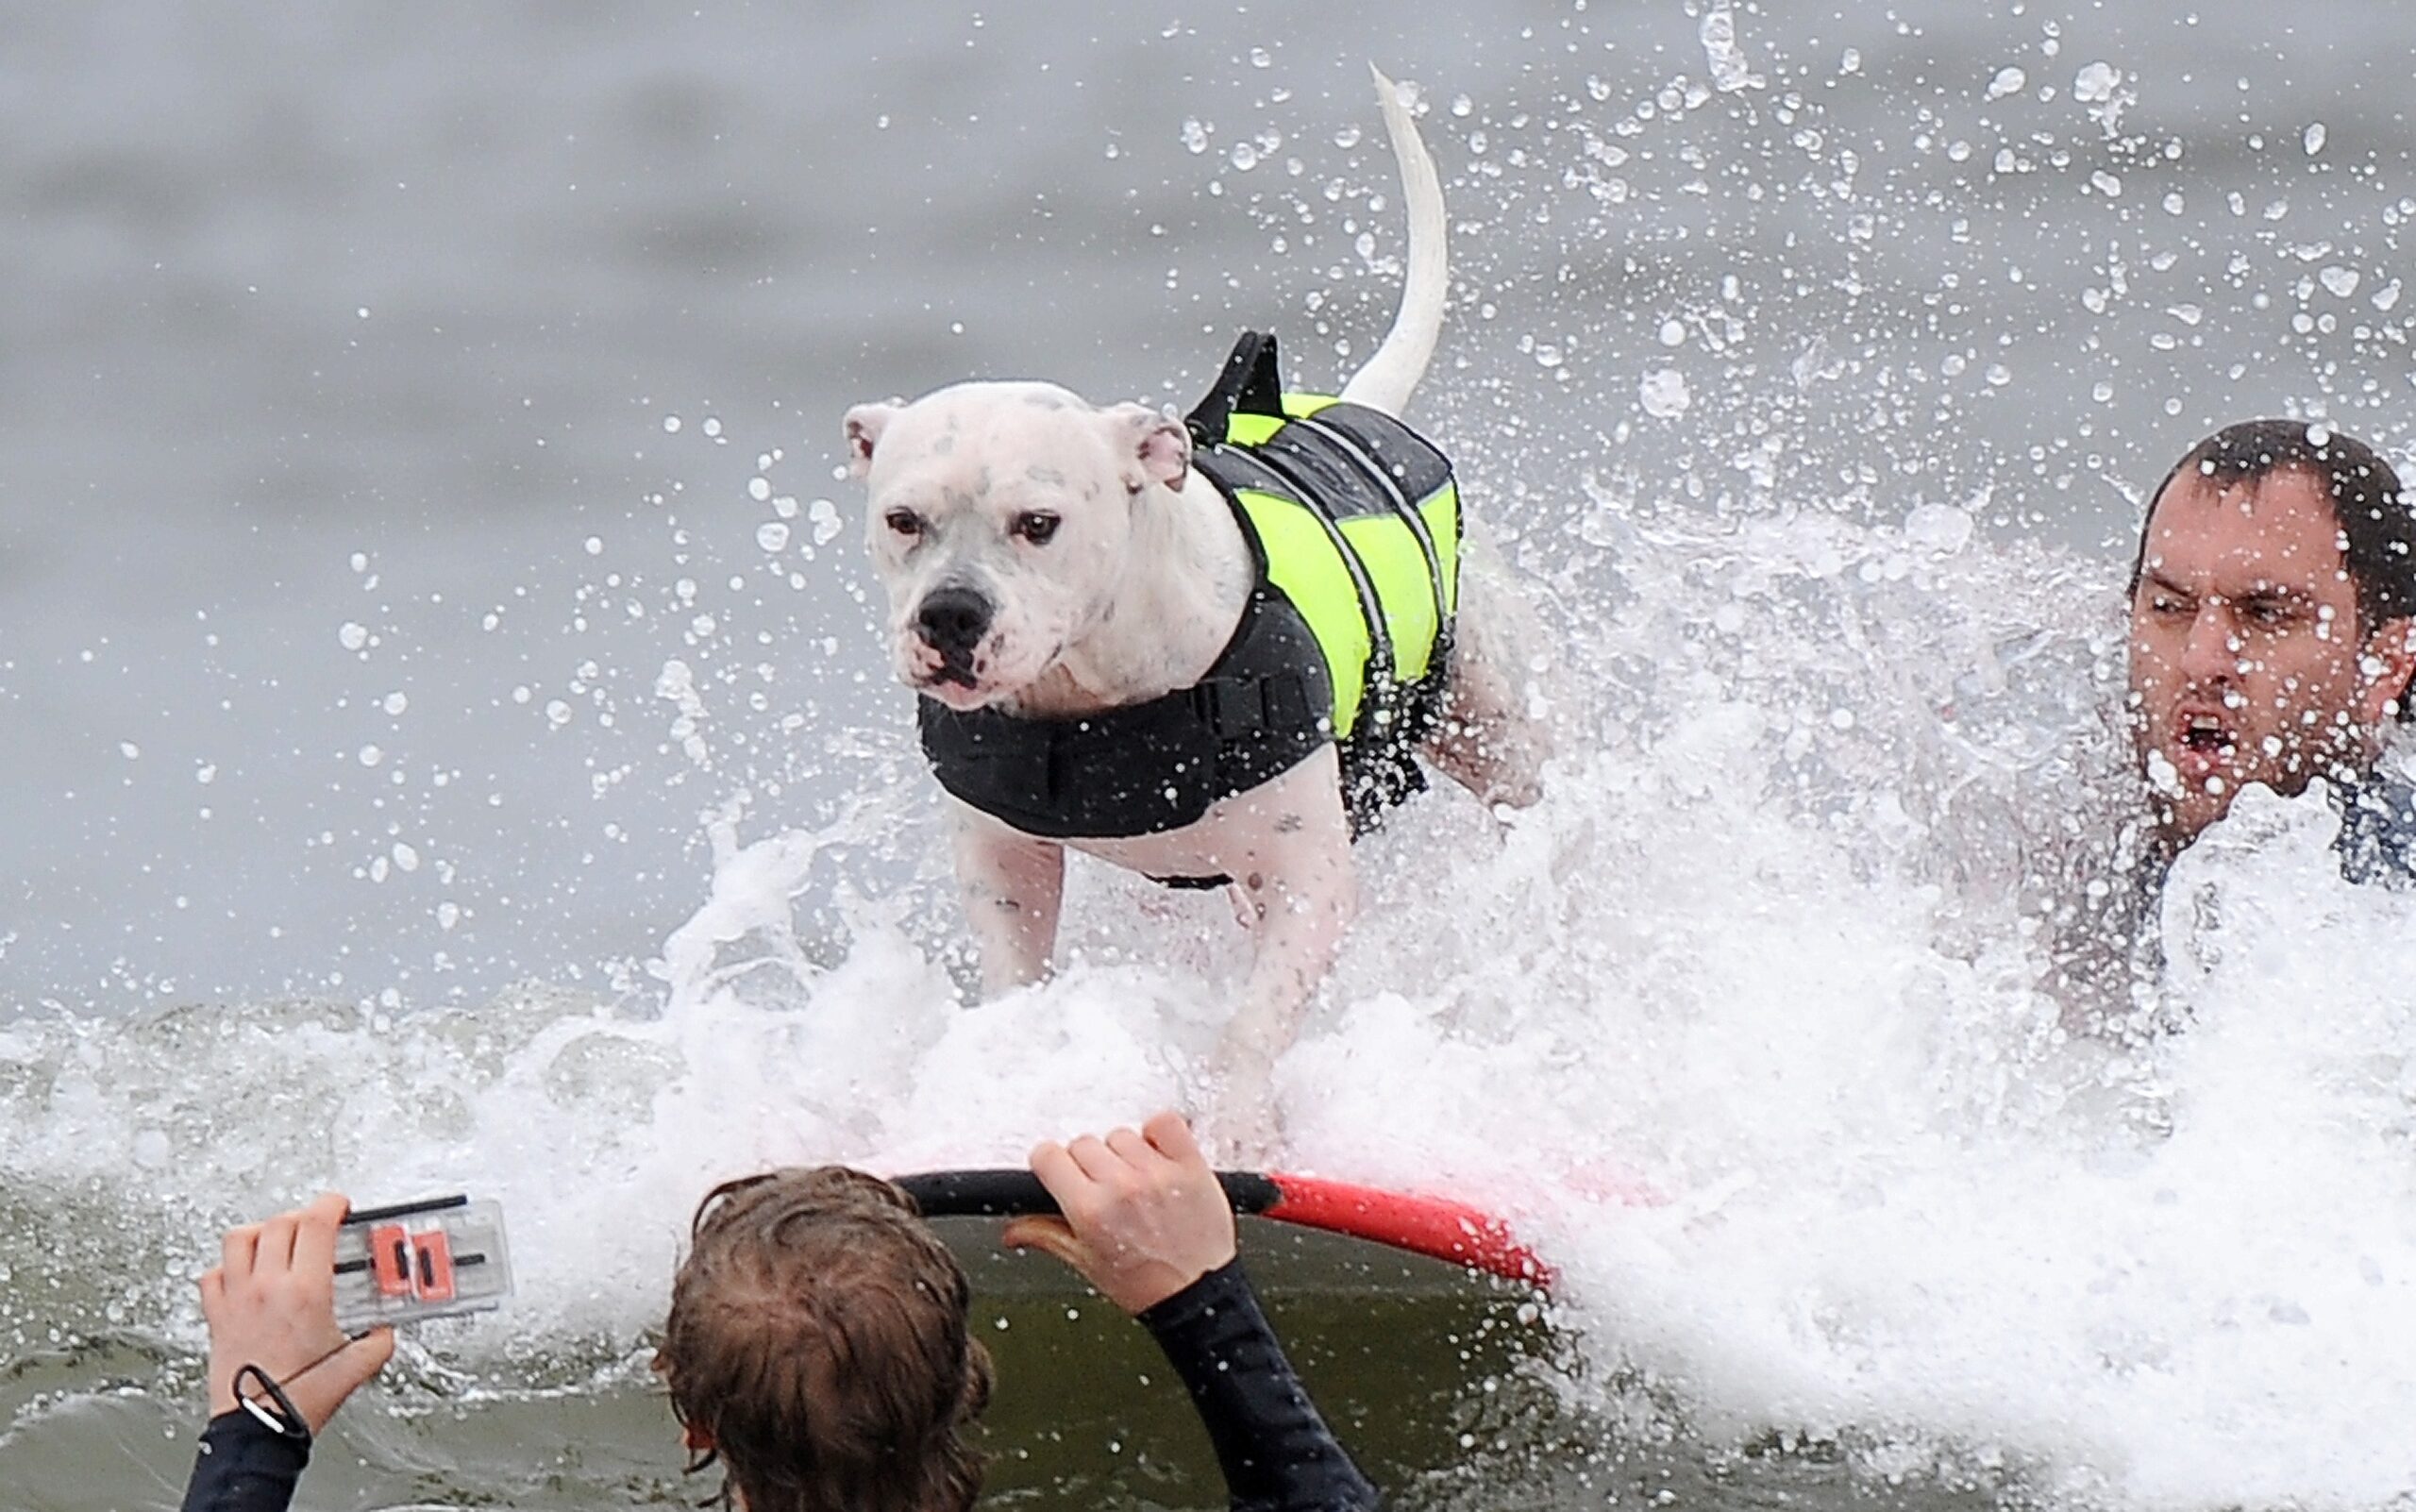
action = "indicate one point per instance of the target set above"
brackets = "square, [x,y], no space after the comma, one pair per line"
[278,1414]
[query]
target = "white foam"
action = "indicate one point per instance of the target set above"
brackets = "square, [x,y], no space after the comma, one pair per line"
[1900,1206]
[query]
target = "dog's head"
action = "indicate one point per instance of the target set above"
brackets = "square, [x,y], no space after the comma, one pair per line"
[1000,516]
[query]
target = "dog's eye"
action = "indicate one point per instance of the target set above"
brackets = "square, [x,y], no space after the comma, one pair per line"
[1036,527]
[905,522]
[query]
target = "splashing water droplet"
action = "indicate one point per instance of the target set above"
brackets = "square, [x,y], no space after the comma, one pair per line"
[1726,60]
[1664,393]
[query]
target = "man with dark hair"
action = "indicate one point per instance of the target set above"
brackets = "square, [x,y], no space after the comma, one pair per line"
[817,1346]
[2274,635]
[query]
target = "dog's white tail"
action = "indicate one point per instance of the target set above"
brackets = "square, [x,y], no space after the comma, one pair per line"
[1391,375]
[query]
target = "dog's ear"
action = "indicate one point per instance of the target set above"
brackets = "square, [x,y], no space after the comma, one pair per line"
[866,423]
[1154,446]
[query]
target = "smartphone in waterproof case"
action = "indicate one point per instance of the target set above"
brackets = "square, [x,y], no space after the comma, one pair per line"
[415,1261]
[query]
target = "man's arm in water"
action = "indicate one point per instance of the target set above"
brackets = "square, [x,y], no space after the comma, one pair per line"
[271,1306]
[1148,1225]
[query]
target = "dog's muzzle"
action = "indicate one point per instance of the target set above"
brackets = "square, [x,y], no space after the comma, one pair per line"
[952,621]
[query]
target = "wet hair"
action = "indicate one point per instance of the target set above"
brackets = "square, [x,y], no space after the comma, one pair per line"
[2377,528]
[818,1342]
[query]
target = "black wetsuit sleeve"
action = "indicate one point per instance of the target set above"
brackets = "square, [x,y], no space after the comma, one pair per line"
[244,1466]
[1275,1451]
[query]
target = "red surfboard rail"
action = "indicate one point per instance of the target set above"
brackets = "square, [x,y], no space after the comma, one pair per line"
[1433,1226]
[1437,1226]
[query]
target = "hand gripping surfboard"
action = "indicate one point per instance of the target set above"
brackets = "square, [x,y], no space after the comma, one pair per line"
[1437,1226]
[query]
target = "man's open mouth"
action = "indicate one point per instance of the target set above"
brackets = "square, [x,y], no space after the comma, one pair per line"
[2203,746]
[2205,732]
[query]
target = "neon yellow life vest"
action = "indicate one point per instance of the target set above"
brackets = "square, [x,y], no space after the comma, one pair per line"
[1357,519]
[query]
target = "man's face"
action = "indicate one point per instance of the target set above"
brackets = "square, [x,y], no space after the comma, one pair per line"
[2247,663]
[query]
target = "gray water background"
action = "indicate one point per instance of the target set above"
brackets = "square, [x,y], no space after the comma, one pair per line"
[288,283]
[568,223]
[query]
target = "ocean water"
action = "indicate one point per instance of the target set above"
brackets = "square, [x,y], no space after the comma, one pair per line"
[446,744]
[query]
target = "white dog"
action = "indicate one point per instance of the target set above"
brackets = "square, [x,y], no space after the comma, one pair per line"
[1107,661]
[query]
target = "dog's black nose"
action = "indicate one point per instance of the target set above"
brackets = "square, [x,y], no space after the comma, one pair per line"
[954,621]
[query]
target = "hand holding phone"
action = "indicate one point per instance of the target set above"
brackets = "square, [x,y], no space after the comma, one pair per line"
[270,1303]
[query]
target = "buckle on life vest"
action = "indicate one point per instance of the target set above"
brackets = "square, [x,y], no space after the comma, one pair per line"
[1232,706]
[1238,707]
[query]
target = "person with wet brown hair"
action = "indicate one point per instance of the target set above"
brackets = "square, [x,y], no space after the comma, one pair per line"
[2274,635]
[817,1347]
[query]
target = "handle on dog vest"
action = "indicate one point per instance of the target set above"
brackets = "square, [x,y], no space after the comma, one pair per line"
[1251,383]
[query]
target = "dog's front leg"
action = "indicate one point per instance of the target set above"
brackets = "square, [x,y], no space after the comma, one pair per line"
[1294,876]
[1012,886]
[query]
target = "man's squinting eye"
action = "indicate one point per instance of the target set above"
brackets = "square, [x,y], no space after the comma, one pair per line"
[1036,526]
[904,522]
